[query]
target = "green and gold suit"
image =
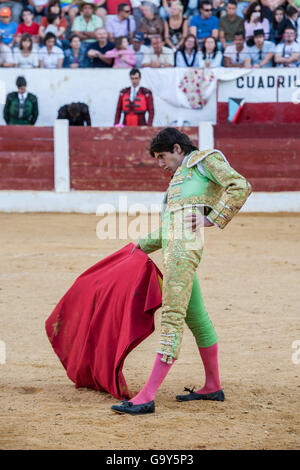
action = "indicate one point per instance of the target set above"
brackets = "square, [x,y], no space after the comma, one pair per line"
[203,180]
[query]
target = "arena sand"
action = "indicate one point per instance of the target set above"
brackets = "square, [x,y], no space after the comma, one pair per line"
[250,277]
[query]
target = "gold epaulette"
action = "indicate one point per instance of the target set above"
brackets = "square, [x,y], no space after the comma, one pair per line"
[199,155]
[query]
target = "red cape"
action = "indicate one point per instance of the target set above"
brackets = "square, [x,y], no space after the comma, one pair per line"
[106,313]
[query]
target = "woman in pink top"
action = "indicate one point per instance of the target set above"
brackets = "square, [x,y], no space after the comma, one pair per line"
[255,19]
[124,57]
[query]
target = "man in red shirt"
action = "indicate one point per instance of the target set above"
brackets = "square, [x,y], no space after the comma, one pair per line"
[134,102]
[27,26]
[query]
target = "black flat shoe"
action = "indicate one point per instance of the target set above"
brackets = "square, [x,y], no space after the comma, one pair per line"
[215,396]
[130,408]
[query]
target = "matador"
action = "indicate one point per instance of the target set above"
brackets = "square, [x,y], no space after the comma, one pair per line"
[204,191]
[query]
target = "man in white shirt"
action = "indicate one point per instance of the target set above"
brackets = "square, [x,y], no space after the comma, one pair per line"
[287,52]
[237,54]
[6,57]
[159,56]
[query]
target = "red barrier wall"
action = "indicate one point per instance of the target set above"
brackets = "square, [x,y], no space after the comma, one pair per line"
[26,158]
[268,155]
[268,113]
[112,159]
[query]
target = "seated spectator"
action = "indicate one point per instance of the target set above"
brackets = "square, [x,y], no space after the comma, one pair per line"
[6,57]
[100,9]
[8,27]
[261,54]
[159,56]
[38,8]
[151,23]
[190,8]
[77,114]
[21,107]
[292,17]
[287,53]
[209,56]
[75,54]
[205,24]
[268,7]
[121,24]
[25,56]
[138,7]
[15,7]
[54,8]
[27,26]
[70,8]
[236,55]
[139,48]
[187,55]
[230,24]
[293,3]
[255,19]
[86,23]
[96,50]
[278,24]
[123,56]
[50,56]
[175,27]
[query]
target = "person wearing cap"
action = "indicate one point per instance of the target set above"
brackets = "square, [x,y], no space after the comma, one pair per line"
[134,102]
[121,24]
[139,48]
[95,51]
[262,52]
[87,22]
[8,27]
[21,107]
[15,8]
[6,57]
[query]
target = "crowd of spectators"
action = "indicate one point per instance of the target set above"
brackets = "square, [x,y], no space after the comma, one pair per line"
[151,33]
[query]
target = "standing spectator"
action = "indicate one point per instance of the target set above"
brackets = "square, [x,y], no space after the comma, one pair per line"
[175,27]
[8,27]
[95,51]
[76,113]
[278,25]
[50,56]
[121,24]
[236,55]
[24,55]
[138,8]
[151,23]
[287,53]
[159,56]
[187,55]
[54,8]
[261,54]
[209,56]
[139,48]
[75,54]
[123,56]
[134,102]
[6,58]
[21,107]
[85,24]
[15,7]
[230,24]
[27,26]
[255,19]
[205,24]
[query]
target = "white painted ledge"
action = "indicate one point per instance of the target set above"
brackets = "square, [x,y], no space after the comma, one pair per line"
[88,202]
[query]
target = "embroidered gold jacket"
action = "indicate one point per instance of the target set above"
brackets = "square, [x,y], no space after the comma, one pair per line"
[204,179]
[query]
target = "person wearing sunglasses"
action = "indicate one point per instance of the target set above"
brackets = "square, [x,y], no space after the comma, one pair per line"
[121,24]
[205,24]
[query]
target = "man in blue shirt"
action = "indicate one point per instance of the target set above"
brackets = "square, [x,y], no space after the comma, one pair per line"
[7,27]
[205,24]
[262,52]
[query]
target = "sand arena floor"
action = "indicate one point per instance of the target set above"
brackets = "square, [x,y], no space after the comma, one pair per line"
[250,277]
